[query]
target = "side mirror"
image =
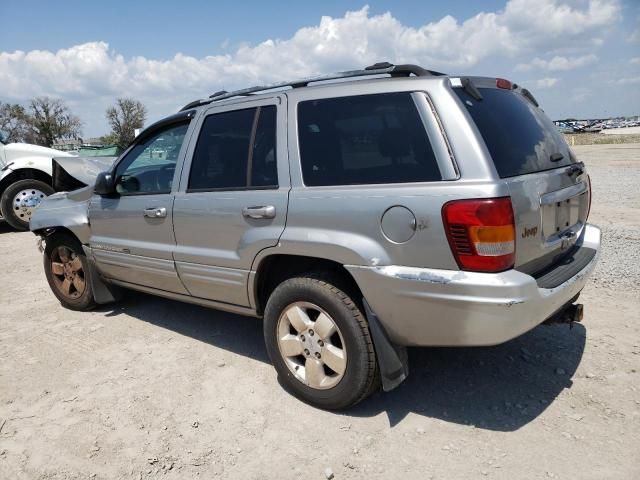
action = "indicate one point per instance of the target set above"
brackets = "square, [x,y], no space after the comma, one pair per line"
[105,184]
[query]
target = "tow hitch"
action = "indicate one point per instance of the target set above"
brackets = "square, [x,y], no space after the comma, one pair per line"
[571,314]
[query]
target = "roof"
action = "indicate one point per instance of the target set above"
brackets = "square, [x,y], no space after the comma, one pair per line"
[381,68]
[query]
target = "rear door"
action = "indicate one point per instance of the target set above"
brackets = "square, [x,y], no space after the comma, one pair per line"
[233,197]
[549,189]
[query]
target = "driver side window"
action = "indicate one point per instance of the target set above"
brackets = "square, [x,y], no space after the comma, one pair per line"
[150,165]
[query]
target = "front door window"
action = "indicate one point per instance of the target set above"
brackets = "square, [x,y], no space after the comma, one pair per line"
[149,167]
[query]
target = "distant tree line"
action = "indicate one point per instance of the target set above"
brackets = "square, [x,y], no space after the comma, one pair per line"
[46,121]
[43,122]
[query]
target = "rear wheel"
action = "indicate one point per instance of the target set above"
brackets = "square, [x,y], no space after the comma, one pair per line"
[66,269]
[319,342]
[20,199]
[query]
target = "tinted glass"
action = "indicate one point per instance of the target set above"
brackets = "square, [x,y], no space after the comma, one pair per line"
[229,154]
[519,136]
[366,139]
[220,157]
[264,172]
[149,166]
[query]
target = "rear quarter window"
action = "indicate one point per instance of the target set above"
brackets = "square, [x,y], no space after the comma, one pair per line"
[520,137]
[365,139]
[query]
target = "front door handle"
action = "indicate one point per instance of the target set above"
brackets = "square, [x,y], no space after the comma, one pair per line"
[265,211]
[155,212]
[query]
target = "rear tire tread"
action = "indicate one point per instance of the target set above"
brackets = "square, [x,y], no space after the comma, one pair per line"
[331,284]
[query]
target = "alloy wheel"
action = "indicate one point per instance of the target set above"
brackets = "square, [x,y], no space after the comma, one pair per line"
[67,272]
[311,345]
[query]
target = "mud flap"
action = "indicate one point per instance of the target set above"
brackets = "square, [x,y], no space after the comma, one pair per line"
[392,359]
[102,291]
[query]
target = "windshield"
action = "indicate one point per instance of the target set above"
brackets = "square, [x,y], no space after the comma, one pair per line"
[520,137]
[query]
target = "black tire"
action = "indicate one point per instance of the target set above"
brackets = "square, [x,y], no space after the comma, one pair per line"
[360,376]
[11,213]
[75,299]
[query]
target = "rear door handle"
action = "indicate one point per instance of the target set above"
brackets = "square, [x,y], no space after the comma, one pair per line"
[154,212]
[265,211]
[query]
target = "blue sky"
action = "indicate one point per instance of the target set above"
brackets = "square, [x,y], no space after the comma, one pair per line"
[579,57]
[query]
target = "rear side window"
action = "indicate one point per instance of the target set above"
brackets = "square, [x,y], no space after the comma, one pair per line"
[365,139]
[236,150]
[520,137]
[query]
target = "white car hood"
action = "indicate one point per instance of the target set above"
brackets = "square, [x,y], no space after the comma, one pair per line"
[14,151]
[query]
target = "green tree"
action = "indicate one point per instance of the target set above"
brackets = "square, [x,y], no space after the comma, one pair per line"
[124,117]
[50,120]
[109,139]
[14,121]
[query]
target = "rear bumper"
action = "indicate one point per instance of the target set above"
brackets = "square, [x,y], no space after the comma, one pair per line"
[421,306]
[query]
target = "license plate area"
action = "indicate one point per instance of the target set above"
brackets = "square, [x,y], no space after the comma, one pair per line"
[562,215]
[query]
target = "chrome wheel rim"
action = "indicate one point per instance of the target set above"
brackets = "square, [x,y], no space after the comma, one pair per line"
[67,272]
[311,345]
[25,202]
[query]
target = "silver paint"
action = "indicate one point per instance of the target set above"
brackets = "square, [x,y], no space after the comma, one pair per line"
[207,251]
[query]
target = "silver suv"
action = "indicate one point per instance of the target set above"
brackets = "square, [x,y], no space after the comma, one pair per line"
[356,213]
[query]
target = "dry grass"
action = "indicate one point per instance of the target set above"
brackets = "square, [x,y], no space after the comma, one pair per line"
[600,138]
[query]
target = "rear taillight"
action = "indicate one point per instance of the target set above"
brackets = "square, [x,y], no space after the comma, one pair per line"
[481,233]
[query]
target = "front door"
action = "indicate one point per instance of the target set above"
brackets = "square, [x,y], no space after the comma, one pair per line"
[131,231]
[232,201]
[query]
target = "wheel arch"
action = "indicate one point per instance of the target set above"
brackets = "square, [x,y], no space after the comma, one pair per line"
[51,231]
[24,174]
[275,268]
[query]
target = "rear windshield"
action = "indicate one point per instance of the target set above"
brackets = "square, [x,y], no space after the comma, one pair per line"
[520,137]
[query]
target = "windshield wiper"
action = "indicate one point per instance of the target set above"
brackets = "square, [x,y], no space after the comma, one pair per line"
[529,96]
[470,88]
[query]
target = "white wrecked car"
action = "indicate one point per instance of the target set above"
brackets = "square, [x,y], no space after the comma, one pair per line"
[25,179]
[28,173]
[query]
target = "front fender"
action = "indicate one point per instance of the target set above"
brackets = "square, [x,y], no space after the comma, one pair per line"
[32,162]
[65,209]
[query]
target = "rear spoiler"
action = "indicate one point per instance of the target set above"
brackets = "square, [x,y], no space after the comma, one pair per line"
[71,173]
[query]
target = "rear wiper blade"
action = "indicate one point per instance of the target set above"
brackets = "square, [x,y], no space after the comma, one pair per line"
[575,169]
[556,157]
[470,88]
[529,96]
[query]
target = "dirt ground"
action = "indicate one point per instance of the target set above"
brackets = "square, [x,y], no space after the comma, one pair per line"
[151,388]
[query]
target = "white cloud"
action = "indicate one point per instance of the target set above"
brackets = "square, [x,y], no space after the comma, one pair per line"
[580,94]
[547,82]
[557,63]
[635,61]
[626,81]
[90,75]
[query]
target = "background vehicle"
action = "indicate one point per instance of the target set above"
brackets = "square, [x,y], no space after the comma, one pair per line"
[356,217]
[25,179]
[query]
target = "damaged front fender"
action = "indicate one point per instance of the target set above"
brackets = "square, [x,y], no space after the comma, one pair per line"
[67,210]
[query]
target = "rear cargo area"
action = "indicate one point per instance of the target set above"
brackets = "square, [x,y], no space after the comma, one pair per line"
[549,188]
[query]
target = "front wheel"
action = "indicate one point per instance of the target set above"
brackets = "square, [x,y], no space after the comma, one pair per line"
[319,342]
[20,199]
[67,271]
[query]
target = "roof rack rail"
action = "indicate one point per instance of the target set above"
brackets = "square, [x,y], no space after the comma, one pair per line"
[380,68]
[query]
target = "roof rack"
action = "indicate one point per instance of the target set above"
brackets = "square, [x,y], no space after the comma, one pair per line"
[380,68]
